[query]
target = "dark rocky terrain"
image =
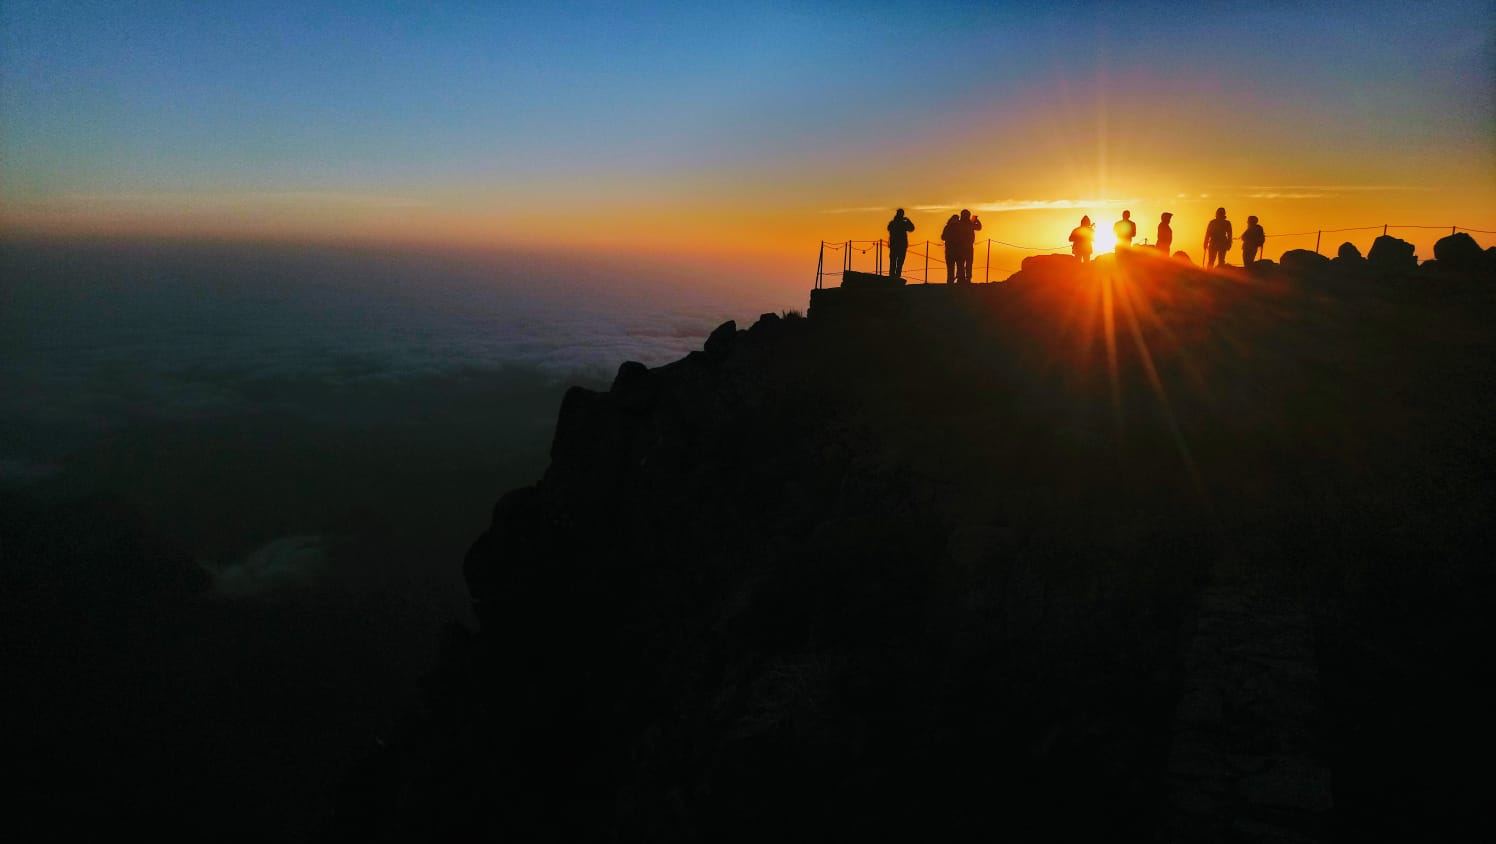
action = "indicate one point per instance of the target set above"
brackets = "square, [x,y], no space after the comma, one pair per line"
[1132,551]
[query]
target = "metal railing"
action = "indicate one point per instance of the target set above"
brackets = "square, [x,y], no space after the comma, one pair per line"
[917,260]
[919,270]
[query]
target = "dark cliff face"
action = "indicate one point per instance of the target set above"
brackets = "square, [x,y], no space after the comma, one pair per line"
[924,564]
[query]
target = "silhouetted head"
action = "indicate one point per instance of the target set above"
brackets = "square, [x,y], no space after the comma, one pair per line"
[1086,220]
[955,218]
[899,213]
[1127,215]
[965,214]
[1251,221]
[1220,213]
[1166,216]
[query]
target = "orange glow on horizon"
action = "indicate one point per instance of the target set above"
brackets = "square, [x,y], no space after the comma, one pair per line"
[760,234]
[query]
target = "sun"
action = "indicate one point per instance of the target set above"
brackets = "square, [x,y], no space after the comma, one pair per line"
[1105,240]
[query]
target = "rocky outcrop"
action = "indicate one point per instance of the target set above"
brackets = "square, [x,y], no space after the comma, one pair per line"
[1303,261]
[921,566]
[1460,252]
[1391,255]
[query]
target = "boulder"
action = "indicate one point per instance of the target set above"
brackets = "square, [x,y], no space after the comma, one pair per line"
[1459,251]
[1391,254]
[1049,266]
[632,387]
[1266,266]
[1348,252]
[630,373]
[719,344]
[1304,260]
[1184,256]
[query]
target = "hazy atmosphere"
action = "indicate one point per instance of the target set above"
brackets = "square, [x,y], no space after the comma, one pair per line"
[293,291]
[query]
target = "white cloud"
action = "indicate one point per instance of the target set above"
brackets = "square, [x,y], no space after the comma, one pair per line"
[251,199]
[283,562]
[1001,205]
[864,209]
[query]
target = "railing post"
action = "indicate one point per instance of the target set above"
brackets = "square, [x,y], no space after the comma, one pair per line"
[987,270]
[1384,230]
[1452,229]
[1316,240]
[820,264]
[847,261]
[927,263]
[878,259]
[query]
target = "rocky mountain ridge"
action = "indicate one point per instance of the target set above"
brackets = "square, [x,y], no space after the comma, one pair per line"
[942,562]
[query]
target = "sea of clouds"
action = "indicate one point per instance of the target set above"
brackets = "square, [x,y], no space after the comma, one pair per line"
[96,335]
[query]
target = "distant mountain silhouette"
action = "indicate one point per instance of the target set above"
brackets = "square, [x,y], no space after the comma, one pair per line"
[1122,551]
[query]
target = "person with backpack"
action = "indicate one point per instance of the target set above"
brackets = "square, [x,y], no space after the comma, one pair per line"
[1080,239]
[1252,240]
[1125,230]
[898,242]
[1217,240]
[1165,233]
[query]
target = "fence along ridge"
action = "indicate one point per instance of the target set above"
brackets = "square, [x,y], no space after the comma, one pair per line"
[850,246]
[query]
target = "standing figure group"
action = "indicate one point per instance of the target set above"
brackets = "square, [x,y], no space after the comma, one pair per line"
[1218,238]
[960,236]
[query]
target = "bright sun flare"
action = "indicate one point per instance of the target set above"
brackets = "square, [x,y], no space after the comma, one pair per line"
[1105,240]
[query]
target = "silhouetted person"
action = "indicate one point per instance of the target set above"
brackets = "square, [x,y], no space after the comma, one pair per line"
[1125,230]
[952,247]
[1165,233]
[1252,239]
[1217,240]
[1080,239]
[966,230]
[898,242]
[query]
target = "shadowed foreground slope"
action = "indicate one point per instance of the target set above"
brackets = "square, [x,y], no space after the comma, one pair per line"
[946,562]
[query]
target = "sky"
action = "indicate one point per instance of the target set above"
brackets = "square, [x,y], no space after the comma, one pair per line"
[746,132]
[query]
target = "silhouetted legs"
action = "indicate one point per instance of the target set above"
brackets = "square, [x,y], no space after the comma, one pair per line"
[950,266]
[896,260]
[963,268]
[1215,257]
[1248,255]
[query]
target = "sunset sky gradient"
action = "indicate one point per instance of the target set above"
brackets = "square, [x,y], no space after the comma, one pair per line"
[690,131]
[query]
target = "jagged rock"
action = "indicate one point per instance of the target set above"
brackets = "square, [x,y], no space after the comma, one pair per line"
[630,373]
[1459,251]
[511,539]
[719,344]
[1184,256]
[575,406]
[773,603]
[1266,266]
[1304,260]
[1391,254]
[1348,252]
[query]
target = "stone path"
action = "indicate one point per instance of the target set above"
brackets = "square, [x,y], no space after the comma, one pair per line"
[1246,763]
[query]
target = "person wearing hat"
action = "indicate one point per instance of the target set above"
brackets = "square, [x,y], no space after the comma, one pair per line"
[1165,233]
